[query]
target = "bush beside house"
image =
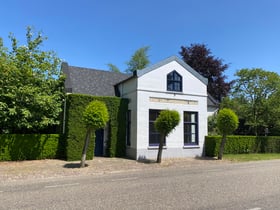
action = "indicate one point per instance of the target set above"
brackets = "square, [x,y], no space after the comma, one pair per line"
[75,129]
[29,146]
[69,145]
[242,144]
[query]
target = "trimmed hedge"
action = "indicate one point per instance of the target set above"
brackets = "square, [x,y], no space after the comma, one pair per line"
[29,146]
[242,144]
[75,129]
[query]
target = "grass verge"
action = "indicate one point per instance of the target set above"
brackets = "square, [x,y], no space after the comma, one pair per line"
[251,157]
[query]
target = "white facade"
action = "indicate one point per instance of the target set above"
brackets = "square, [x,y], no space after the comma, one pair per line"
[147,90]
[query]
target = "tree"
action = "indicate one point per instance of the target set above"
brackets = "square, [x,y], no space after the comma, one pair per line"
[255,89]
[139,60]
[164,124]
[200,58]
[31,86]
[95,117]
[227,122]
[113,67]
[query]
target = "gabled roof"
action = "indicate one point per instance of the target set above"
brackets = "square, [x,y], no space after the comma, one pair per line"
[139,73]
[212,102]
[102,83]
[91,81]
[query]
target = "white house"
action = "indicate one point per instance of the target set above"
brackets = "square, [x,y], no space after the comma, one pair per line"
[169,84]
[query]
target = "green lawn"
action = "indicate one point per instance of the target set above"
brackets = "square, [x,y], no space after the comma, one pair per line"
[251,157]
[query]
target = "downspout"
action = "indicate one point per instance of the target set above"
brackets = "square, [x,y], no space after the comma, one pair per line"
[64,116]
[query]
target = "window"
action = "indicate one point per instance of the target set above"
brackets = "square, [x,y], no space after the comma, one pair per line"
[154,136]
[128,127]
[174,82]
[190,128]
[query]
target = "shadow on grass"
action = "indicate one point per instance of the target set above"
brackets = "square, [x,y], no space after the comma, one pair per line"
[73,165]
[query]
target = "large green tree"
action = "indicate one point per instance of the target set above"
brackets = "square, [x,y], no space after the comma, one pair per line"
[256,94]
[31,86]
[200,58]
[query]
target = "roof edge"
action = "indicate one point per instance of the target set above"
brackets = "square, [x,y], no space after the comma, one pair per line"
[203,79]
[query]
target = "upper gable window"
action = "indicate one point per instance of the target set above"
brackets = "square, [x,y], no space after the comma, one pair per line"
[174,82]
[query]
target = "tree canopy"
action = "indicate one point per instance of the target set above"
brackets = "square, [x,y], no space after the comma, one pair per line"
[113,67]
[227,121]
[255,95]
[31,86]
[95,115]
[200,58]
[139,60]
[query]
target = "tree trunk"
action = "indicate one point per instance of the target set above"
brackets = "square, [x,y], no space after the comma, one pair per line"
[160,146]
[222,146]
[84,153]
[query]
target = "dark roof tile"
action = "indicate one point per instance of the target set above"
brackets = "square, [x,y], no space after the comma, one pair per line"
[91,81]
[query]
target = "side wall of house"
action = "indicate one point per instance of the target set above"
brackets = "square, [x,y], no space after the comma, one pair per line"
[129,90]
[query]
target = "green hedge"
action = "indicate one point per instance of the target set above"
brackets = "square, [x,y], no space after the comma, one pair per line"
[75,130]
[29,146]
[242,144]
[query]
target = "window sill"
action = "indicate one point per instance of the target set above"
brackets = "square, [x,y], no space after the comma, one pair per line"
[191,147]
[174,92]
[155,147]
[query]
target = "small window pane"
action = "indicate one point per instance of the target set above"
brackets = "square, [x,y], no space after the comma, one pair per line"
[174,82]
[154,135]
[191,128]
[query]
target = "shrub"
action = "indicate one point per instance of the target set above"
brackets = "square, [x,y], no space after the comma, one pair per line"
[95,117]
[75,128]
[167,121]
[242,144]
[227,122]
[164,124]
[29,146]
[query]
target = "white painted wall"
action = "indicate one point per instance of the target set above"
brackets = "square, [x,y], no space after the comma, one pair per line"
[153,84]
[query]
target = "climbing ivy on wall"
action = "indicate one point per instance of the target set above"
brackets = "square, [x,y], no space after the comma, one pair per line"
[75,129]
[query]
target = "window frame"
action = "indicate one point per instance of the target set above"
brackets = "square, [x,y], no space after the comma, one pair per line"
[175,84]
[154,132]
[188,133]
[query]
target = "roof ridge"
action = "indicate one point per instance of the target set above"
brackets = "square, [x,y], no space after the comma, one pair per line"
[168,60]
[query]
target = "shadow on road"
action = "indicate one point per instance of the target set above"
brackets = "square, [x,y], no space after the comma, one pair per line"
[147,161]
[73,165]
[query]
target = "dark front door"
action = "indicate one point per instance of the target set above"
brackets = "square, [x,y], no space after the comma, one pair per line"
[99,142]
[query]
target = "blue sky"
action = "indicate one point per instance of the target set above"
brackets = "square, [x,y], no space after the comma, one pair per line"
[92,33]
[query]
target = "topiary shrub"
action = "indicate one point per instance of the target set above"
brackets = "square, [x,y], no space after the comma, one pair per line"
[227,122]
[164,124]
[95,117]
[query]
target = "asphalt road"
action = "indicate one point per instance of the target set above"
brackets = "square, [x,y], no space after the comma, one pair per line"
[250,186]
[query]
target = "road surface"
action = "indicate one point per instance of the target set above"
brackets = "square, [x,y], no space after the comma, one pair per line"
[250,186]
